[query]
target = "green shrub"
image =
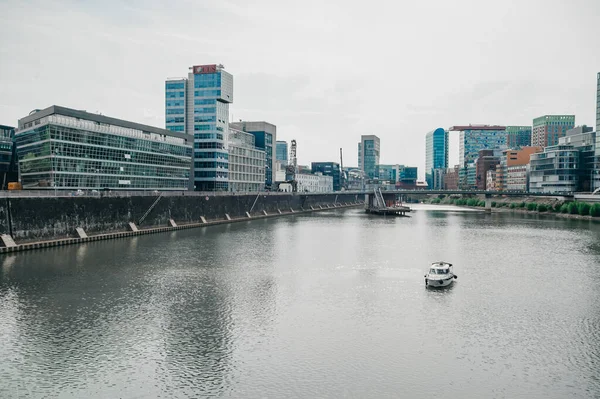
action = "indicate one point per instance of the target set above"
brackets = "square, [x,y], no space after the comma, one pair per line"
[532,206]
[494,204]
[512,205]
[583,208]
[558,206]
[436,201]
[573,208]
[564,208]
[472,202]
[595,210]
[542,208]
[521,204]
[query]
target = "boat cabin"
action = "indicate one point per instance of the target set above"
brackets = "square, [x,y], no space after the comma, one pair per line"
[440,268]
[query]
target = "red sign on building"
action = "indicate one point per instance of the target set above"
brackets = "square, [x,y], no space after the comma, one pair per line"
[199,69]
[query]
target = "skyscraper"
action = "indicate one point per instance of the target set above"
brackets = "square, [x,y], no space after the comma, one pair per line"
[368,155]
[436,156]
[548,129]
[281,152]
[265,135]
[518,136]
[199,105]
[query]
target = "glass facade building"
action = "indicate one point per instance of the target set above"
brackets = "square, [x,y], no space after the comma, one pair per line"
[368,155]
[436,156]
[518,136]
[548,129]
[281,152]
[62,148]
[474,139]
[199,106]
[565,167]
[328,169]
[9,169]
[265,136]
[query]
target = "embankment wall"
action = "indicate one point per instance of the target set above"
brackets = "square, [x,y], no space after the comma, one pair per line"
[36,219]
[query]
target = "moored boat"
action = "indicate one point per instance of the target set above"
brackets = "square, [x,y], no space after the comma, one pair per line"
[440,274]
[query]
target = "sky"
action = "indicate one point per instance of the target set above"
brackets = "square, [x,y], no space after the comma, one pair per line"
[324,72]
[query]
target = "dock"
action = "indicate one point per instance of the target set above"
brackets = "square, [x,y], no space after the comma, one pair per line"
[376,204]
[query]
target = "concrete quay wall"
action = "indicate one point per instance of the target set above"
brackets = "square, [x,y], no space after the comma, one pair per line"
[48,218]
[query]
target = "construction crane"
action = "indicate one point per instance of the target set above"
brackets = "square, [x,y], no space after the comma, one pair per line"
[292,167]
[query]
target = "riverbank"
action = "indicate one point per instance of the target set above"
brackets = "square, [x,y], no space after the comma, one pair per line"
[530,205]
[143,231]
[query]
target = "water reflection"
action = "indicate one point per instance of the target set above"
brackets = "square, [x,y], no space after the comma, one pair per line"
[323,305]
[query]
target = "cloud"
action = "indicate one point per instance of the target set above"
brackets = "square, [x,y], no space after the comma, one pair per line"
[324,72]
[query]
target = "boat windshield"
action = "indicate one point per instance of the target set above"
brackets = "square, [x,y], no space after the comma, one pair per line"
[438,271]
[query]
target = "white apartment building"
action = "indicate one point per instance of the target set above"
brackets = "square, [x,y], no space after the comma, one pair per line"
[516,177]
[246,162]
[317,183]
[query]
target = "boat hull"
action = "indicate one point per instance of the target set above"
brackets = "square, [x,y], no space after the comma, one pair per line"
[439,283]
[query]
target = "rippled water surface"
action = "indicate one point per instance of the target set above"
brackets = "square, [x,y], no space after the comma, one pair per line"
[326,305]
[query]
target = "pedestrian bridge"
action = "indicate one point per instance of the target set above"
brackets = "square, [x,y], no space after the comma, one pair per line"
[389,196]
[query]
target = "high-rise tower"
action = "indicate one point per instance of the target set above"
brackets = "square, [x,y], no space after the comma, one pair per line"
[199,105]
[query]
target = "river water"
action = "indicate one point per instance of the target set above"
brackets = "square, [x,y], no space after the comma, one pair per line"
[324,305]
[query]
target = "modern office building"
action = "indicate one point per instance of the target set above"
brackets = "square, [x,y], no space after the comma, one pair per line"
[265,135]
[548,129]
[436,156]
[199,105]
[513,163]
[474,138]
[565,167]
[9,168]
[598,108]
[246,162]
[368,155]
[407,178]
[390,173]
[596,173]
[518,136]
[281,152]
[328,169]
[62,148]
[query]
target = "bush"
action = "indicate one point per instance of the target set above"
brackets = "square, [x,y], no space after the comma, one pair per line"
[542,208]
[583,208]
[532,206]
[564,208]
[595,210]
[573,208]
[494,204]
[481,203]
[436,201]
[472,202]
[558,206]
[513,206]
[521,205]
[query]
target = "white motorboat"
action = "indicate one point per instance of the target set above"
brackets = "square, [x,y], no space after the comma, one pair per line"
[441,274]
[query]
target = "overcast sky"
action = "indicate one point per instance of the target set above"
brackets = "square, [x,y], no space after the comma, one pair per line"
[324,72]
